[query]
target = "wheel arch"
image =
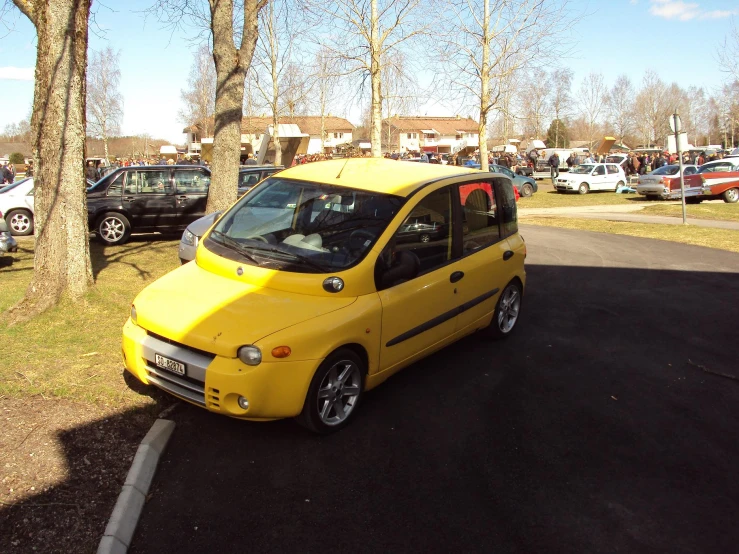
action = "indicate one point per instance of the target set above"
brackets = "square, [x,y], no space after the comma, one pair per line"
[102,213]
[359,350]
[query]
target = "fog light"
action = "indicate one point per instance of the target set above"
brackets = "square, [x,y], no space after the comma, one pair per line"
[250,355]
[243,403]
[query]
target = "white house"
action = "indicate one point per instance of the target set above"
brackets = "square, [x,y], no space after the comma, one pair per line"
[336,131]
[443,135]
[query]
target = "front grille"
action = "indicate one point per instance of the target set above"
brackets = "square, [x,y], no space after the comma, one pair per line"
[190,386]
[175,384]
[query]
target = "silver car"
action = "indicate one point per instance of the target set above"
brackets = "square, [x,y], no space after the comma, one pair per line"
[663,182]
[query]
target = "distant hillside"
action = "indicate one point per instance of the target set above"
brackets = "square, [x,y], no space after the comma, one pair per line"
[125,147]
[120,147]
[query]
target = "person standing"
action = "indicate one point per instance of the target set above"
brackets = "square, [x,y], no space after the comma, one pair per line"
[553,166]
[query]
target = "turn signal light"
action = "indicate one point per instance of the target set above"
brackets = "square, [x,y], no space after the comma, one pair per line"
[281,352]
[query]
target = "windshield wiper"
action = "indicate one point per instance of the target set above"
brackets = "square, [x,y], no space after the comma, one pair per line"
[234,245]
[304,259]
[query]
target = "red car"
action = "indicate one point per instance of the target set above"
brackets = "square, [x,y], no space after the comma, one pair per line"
[715,180]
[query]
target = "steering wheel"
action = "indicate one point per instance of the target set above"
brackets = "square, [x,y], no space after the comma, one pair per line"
[257,237]
[358,237]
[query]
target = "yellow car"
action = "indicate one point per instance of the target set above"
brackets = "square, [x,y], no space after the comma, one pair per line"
[326,279]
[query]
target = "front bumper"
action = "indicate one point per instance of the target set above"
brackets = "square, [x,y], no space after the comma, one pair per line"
[274,389]
[186,251]
[564,184]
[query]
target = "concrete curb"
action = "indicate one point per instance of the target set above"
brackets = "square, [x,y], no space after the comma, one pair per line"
[125,516]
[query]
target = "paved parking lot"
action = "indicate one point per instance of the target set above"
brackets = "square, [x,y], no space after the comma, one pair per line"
[603,425]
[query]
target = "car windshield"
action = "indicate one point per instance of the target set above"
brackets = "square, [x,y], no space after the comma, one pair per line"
[303,227]
[721,167]
[582,169]
[8,188]
[667,170]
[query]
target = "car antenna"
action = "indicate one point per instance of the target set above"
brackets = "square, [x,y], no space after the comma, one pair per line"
[342,169]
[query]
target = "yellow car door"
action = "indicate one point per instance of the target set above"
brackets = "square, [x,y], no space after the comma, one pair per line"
[419,302]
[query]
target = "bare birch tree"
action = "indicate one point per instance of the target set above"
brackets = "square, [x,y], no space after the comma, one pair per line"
[592,98]
[620,107]
[365,35]
[728,54]
[199,97]
[234,34]
[104,100]
[278,79]
[62,251]
[561,99]
[325,81]
[399,86]
[651,109]
[534,103]
[487,41]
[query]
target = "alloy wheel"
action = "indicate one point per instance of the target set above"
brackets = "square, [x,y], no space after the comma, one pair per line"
[510,304]
[20,222]
[339,392]
[112,229]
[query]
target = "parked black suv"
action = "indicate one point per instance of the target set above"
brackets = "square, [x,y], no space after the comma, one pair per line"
[146,198]
[155,198]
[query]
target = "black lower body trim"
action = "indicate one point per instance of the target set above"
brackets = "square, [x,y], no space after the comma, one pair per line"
[438,320]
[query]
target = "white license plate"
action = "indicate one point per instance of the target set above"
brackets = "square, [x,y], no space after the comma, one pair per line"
[171,365]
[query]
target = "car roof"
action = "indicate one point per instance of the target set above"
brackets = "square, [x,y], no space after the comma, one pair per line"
[375,174]
[248,168]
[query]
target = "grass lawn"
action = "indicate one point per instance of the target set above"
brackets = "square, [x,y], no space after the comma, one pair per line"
[72,423]
[551,199]
[714,210]
[699,236]
[73,351]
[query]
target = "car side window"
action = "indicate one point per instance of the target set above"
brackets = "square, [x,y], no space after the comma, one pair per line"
[150,182]
[507,207]
[422,244]
[116,187]
[188,181]
[689,171]
[599,170]
[612,169]
[480,225]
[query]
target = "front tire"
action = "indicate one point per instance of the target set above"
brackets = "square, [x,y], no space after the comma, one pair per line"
[20,222]
[113,228]
[527,190]
[507,311]
[731,196]
[584,188]
[619,184]
[334,392]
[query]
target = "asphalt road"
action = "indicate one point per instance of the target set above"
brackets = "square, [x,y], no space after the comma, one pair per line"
[601,426]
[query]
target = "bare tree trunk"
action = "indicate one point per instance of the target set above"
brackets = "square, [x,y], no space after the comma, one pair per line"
[62,252]
[105,146]
[485,91]
[231,67]
[375,48]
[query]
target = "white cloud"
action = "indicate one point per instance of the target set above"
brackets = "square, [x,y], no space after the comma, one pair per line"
[16,73]
[685,11]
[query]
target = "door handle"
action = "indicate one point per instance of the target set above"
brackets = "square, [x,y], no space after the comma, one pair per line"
[507,255]
[456,276]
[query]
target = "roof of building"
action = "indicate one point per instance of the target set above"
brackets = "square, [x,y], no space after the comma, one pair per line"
[375,174]
[310,124]
[442,125]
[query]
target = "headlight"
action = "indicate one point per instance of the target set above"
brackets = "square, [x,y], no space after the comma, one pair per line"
[134,318]
[189,238]
[250,355]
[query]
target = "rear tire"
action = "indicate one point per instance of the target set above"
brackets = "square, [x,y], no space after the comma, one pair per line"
[619,184]
[731,196]
[20,222]
[113,228]
[527,190]
[584,188]
[334,393]
[507,311]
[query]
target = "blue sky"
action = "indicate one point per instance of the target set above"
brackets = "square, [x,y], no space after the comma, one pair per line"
[677,39]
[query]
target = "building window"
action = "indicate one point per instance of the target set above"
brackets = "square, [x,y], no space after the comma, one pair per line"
[459,137]
[412,135]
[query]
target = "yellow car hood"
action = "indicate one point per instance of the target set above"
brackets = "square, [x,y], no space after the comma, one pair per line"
[218,314]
